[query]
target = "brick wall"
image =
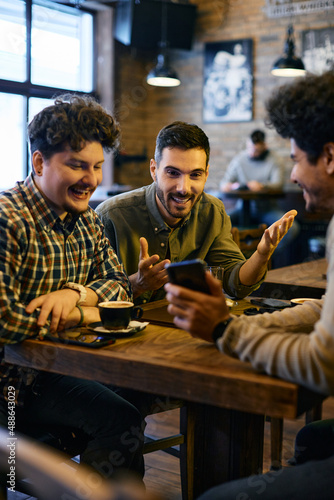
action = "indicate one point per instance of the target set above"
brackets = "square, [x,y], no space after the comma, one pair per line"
[142,110]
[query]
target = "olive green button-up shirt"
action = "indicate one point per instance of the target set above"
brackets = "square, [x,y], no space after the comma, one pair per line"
[204,234]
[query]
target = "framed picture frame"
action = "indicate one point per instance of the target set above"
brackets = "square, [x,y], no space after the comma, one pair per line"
[318,50]
[228,81]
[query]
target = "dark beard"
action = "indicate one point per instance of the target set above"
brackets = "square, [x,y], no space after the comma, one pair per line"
[178,217]
[160,195]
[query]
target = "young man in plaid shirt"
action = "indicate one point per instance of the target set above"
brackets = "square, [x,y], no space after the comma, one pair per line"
[56,265]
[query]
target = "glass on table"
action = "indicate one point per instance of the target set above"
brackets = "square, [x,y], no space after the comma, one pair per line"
[216,271]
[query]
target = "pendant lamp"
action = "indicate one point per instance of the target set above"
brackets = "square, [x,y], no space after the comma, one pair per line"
[289,64]
[162,75]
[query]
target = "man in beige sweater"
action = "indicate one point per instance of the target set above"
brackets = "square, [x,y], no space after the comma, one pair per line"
[297,343]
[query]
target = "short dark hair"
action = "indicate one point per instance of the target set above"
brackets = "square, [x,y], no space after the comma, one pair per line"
[257,136]
[181,135]
[304,111]
[72,121]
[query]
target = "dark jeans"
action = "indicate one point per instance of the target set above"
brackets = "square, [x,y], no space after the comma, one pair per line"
[312,480]
[113,425]
[315,441]
[147,404]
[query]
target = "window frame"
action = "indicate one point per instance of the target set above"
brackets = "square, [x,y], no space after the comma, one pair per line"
[27,89]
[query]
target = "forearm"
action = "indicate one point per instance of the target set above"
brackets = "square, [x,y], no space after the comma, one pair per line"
[291,344]
[91,298]
[253,270]
[255,267]
[82,316]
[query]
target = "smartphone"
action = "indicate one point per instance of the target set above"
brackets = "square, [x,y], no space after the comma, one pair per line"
[189,273]
[92,341]
[271,303]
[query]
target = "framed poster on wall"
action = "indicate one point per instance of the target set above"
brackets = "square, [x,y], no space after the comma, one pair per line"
[318,50]
[228,81]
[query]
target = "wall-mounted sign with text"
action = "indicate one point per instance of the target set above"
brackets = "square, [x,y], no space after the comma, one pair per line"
[287,8]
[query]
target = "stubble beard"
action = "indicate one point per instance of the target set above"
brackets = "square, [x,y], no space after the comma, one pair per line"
[164,202]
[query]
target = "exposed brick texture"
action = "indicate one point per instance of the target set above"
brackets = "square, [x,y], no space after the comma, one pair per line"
[143,110]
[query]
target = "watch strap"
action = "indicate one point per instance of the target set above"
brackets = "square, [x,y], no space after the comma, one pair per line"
[79,288]
[220,329]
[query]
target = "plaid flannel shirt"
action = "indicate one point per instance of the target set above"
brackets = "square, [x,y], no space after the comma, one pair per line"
[39,253]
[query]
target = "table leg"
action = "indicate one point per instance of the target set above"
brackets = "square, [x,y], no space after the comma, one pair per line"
[245,214]
[227,444]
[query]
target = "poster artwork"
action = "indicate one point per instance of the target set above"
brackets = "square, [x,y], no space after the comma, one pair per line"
[228,81]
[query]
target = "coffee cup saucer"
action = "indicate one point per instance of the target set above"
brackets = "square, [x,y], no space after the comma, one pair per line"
[134,327]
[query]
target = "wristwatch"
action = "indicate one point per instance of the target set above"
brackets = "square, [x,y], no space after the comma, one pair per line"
[79,288]
[220,329]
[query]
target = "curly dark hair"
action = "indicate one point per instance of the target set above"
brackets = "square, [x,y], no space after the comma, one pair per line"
[304,111]
[181,135]
[72,121]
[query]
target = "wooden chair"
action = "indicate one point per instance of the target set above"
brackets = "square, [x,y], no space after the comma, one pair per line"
[247,240]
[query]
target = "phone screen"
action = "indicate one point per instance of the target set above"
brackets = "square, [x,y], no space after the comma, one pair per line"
[189,273]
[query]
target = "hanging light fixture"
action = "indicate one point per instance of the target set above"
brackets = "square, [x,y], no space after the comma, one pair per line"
[162,75]
[289,64]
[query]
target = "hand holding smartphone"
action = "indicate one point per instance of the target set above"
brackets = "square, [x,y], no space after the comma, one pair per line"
[190,274]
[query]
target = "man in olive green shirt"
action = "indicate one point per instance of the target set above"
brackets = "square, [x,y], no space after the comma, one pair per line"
[175,220]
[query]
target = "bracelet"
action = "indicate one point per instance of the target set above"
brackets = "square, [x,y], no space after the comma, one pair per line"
[220,329]
[81,314]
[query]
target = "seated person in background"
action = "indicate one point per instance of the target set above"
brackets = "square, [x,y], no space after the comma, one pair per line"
[297,343]
[257,168]
[173,220]
[56,265]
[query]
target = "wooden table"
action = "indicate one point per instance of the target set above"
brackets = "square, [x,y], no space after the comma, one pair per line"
[307,279]
[227,398]
[246,195]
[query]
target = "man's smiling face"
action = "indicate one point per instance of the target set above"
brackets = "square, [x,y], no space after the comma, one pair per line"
[68,179]
[180,178]
[316,180]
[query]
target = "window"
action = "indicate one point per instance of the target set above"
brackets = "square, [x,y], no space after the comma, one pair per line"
[45,49]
